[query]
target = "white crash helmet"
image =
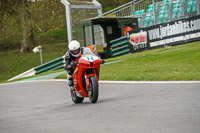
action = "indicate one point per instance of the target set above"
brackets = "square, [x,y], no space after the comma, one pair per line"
[74,48]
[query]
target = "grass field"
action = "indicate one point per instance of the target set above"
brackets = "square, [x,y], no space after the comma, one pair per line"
[172,63]
[14,63]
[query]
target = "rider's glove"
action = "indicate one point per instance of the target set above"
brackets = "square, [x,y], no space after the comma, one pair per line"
[70,66]
[73,64]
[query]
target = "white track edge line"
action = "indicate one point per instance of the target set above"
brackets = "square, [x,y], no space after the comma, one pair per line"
[149,82]
[109,82]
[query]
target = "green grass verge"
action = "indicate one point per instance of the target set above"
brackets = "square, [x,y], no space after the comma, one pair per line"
[14,63]
[173,63]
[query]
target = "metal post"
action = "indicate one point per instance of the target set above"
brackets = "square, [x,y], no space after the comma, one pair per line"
[169,12]
[69,22]
[68,19]
[68,14]
[41,56]
[96,3]
[154,12]
[142,21]
[133,7]
[38,49]
[183,11]
[198,3]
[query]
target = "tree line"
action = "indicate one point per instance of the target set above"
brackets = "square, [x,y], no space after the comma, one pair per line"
[26,18]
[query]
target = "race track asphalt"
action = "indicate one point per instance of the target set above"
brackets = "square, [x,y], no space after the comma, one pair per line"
[149,107]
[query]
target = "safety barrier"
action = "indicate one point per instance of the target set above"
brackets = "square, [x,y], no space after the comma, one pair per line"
[50,66]
[56,64]
[119,46]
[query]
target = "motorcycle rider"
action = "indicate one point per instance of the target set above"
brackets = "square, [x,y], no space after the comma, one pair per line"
[74,51]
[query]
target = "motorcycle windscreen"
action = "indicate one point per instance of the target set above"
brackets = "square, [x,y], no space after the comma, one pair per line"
[87,51]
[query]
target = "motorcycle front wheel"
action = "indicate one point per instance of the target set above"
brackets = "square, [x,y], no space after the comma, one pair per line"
[93,92]
[74,96]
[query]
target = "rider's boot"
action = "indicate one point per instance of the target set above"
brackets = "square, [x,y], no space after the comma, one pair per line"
[70,79]
[72,88]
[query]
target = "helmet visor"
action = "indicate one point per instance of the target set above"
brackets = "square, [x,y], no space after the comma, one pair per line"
[76,52]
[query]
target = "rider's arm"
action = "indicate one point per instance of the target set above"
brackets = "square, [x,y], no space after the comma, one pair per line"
[68,65]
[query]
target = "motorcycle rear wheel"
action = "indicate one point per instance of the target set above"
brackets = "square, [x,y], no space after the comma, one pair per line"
[75,98]
[93,92]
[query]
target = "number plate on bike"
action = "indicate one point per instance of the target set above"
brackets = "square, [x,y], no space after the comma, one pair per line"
[90,58]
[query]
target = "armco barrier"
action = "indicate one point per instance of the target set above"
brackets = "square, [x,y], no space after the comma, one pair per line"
[120,46]
[28,73]
[50,66]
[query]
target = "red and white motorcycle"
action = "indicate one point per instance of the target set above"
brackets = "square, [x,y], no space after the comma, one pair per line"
[86,77]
